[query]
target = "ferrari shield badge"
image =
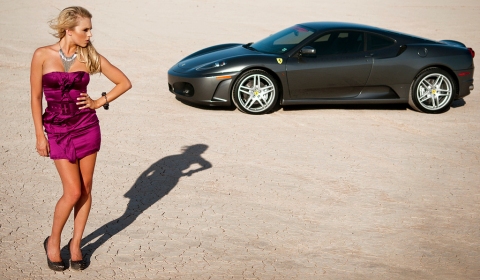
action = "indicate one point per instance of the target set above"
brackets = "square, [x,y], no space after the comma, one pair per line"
[279,60]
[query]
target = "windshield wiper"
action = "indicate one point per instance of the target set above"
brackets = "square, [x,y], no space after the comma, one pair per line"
[248,46]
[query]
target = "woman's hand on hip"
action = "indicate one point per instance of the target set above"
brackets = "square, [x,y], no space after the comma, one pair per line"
[85,101]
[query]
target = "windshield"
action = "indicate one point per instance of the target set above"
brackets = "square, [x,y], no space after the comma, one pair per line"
[283,41]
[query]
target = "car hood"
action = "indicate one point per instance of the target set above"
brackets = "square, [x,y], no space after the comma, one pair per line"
[210,55]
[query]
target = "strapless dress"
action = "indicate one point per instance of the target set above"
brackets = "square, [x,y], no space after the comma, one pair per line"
[72,133]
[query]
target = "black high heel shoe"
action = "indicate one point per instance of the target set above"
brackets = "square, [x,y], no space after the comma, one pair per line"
[76,265]
[57,266]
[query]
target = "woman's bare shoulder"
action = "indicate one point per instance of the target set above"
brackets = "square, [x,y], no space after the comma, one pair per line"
[46,50]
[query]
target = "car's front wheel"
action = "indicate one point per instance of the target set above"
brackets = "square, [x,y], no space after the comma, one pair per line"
[432,91]
[255,92]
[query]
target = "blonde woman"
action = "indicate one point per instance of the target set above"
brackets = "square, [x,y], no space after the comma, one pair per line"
[62,72]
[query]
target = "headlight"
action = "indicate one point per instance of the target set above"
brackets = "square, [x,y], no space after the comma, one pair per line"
[211,65]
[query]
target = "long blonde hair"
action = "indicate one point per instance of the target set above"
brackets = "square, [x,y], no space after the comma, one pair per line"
[67,19]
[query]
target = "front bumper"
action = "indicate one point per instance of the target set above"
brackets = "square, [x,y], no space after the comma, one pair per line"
[210,91]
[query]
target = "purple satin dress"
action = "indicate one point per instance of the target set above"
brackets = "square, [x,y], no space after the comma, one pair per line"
[72,133]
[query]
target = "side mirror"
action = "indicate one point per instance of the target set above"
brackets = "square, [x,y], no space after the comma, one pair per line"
[308,51]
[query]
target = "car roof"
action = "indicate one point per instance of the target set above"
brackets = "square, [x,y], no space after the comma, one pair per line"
[328,25]
[332,25]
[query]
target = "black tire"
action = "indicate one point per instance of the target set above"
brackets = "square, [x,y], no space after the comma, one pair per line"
[432,91]
[255,92]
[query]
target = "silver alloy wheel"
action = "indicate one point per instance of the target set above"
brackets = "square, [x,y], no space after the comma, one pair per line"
[256,93]
[434,91]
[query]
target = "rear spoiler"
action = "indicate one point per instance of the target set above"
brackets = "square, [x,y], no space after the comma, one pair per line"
[453,43]
[458,44]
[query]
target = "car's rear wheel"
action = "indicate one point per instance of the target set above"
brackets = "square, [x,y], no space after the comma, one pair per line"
[255,92]
[432,91]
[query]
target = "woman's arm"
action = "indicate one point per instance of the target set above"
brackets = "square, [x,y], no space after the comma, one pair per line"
[122,84]
[205,165]
[36,71]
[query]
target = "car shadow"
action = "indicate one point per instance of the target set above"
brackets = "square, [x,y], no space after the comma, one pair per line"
[458,103]
[152,185]
[400,106]
[206,107]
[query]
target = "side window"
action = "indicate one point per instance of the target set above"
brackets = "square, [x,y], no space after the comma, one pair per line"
[322,44]
[339,43]
[323,38]
[375,42]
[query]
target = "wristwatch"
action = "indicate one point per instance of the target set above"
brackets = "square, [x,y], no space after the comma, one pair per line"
[105,106]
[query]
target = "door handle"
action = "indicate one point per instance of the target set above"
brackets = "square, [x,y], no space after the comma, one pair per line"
[369,55]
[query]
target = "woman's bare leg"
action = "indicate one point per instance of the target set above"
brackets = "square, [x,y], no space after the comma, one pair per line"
[71,181]
[83,205]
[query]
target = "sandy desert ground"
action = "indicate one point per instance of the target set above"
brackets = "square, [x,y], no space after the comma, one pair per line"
[317,192]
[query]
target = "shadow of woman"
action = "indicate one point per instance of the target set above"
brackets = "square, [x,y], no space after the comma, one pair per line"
[154,183]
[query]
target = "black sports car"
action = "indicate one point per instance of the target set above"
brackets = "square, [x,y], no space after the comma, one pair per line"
[327,63]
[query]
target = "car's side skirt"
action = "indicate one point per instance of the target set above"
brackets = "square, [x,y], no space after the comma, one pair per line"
[342,101]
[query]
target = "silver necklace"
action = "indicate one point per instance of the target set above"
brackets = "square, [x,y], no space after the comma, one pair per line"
[67,61]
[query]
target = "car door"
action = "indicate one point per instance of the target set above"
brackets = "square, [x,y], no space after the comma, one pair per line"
[339,69]
[386,67]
